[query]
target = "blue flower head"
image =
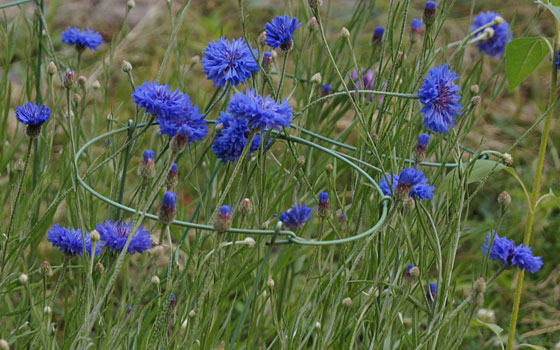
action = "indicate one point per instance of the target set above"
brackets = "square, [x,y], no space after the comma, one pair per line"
[230,142]
[524,259]
[296,217]
[69,241]
[440,97]
[229,62]
[432,292]
[222,222]
[324,205]
[415,25]
[148,156]
[115,234]
[82,38]
[261,113]
[323,198]
[158,100]
[377,34]
[32,114]
[279,32]
[423,140]
[173,169]
[429,13]
[557,62]
[496,44]
[326,89]
[169,200]
[409,181]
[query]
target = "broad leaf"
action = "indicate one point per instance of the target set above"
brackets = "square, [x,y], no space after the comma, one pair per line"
[491,326]
[552,6]
[480,169]
[523,56]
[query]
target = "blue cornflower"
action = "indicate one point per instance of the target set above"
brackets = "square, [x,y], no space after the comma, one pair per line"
[279,32]
[432,292]
[410,181]
[228,62]
[377,34]
[169,200]
[148,156]
[524,259]
[82,38]
[324,205]
[496,44]
[167,210]
[501,249]
[32,114]
[423,140]
[296,217]
[261,113]
[69,241]
[504,250]
[115,234]
[326,89]
[415,25]
[440,97]
[158,100]
[230,142]
[189,123]
[222,222]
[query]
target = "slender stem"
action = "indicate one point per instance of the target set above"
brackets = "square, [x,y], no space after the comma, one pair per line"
[534,195]
[284,61]
[60,279]
[14,208]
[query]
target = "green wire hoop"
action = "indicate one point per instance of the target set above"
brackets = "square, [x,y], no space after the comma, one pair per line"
[290,236]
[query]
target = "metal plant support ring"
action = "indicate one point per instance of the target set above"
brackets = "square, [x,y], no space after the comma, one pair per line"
[289,236]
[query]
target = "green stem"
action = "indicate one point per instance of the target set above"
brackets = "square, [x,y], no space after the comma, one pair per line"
[14,208]
[534,195]
[286,53]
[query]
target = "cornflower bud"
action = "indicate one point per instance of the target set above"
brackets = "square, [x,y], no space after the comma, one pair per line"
[377,36]
[488,34]
[222,222]
[300,160]
[99,268]
[329,168]
[147,168]
[167,210]
[498,20]
[324,206]
[475,89]
[270,283]
[486,315]
[341,217]
[420,151]
[126,66]
[267,62]
[94,236]
[504,199]
[96,85]
[47,310]
[76,98]
[195,59]
[246,207]
[432,292]
[192,313]
[173,300]
[249,242]
[347,302]
[69,79]
[312,25]
[172,178]
[429,13]
[316,78]
[51,68]
[475,101]
[19,165]
[412,271]
[131,4]
[317,325]
[23,279]
[184,324]
[261,39]
[155,280]
[4,345]
[82,80]
[507,159]
[479,286]
[325,89]
[45,269]
[399,59]
[415,27]
[345,33]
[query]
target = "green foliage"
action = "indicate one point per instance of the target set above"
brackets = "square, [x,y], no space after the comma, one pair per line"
[523,56]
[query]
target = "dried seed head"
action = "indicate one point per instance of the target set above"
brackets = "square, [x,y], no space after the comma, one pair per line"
[131,4]
[475,89]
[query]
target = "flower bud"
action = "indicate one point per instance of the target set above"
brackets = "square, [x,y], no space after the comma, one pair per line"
[479,286]
[173,300]
[261,39]
[475,101]
[345,33]
[341,217]
[412,271]
[312,25]
[316,78]
[51,68]
[250,242]
[317,325]
[324,206]
[172,179]
[504,199]
[4,345]
[432,292]
[420,151]
[82,80]
[415,28]
[488,33]
[267,62]
[69,79]
[192,313]
[167,209]
[47,310]
[429,13]
[96,85]
[486,315]
[475,89]
[399,59]
[222,222]
[325,89]
[329,168]
[184,324]
[347,302]
[498,20]
[147,168]
[155,280]
[131,4]
[270,283]
[246,207]
[94,236]
[45,269]
[99,268]
[300,160]
[507,159]
[126,66]
[76,98]
[377,36]
[178,143]
[19,165]
[23,279]
[195,59]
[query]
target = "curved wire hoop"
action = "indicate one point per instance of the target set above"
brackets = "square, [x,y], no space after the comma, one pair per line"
[290,236]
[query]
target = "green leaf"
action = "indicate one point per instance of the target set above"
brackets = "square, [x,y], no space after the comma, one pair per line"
[531,346]
[552,6]
[475,322]
[480,169]
[523,56]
